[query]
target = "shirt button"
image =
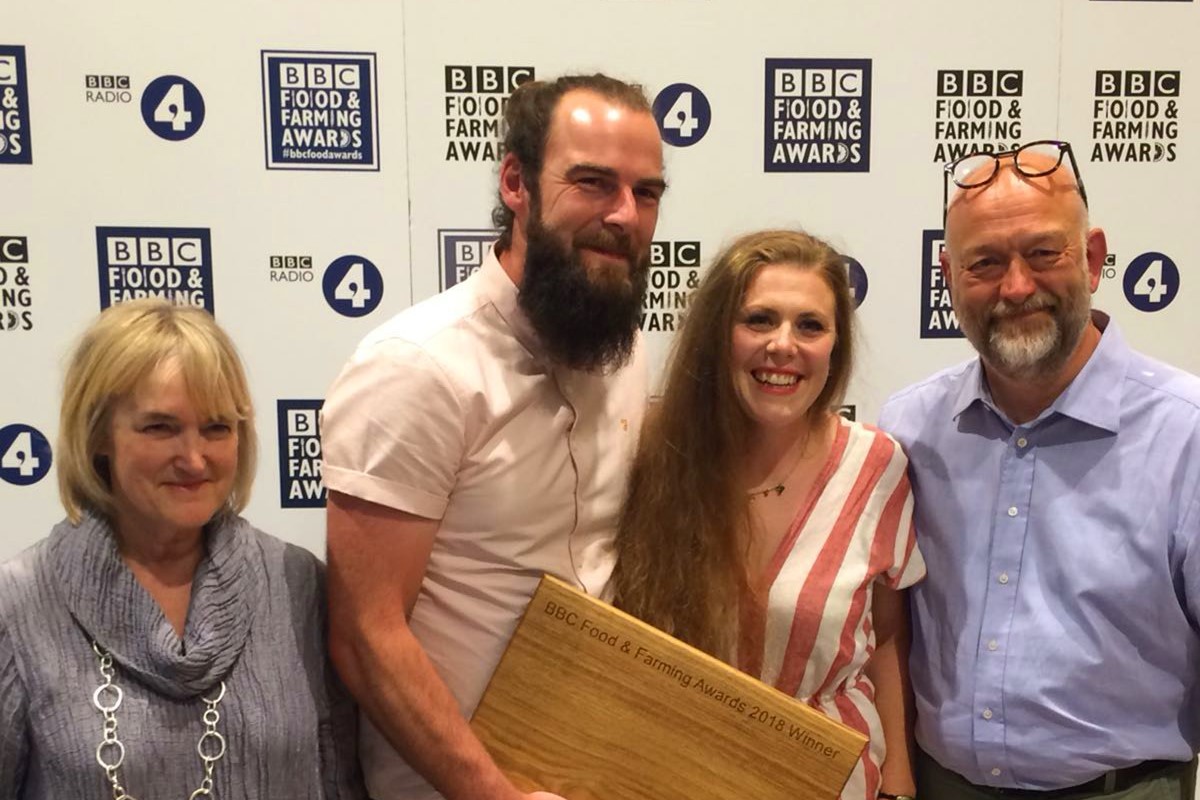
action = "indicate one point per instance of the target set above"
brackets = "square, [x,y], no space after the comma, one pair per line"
[1012,511]
[993,644]
[1003,578]
[1022,442]
[996,771]
[987,714]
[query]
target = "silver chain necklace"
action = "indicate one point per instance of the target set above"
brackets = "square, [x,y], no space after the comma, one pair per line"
[110,753]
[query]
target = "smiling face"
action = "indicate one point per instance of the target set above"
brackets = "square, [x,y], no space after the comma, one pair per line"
[587,228]
[782,339]
[600,183]
[171,468]
[1021,266]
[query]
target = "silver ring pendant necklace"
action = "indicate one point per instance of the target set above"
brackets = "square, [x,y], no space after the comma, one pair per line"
[110,753]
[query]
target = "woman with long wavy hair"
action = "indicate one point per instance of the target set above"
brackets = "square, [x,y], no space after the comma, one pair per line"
[761,526]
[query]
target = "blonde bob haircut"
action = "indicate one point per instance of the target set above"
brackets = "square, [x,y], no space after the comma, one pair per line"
[121,348]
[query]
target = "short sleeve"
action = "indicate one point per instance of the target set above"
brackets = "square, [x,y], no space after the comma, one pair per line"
[14,728]
[392,430]
[907,564]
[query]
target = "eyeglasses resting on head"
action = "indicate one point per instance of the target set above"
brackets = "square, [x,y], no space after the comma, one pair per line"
[1033,160]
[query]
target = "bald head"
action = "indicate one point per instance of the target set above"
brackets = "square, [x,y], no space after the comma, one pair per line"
[1057,190]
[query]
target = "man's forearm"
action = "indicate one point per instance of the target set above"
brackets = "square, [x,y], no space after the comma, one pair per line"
[398,688]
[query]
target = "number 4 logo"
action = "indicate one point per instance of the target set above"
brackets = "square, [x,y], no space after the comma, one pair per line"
[173,107]
[1151,282]
[24,455]
[683,114]
[353,286]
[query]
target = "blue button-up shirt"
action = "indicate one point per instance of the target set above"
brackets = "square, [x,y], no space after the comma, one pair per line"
[1057,635]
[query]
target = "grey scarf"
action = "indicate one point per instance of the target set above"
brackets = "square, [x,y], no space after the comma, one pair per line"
[113,609]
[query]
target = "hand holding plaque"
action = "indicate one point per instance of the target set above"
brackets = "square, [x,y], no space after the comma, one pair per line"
[596,705]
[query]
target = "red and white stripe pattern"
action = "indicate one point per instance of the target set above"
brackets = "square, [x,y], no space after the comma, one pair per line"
[816,636]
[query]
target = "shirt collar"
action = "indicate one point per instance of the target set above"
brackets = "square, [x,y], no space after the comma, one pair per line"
[1094,397]
[499,289]
[971,389]
[1090,398]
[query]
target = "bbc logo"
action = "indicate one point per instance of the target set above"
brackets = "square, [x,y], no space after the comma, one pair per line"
[106,81]
[302,423]
[291,262]
[154,251]
[675,254]
[1137,83]
[14,250]
[461,253]
[818,82]
[317,75]
[486,80]
[980,83]
[8,70]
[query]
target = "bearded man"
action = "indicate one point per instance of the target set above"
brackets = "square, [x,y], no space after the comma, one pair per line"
[1056,639]
[482,437]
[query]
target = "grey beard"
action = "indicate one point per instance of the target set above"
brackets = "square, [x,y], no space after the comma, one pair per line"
[1044,352]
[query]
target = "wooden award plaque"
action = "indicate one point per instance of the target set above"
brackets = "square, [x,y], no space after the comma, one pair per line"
[593,704]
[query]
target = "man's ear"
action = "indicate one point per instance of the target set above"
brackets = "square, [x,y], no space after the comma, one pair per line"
[1097,251]
[513,190]
[944,261]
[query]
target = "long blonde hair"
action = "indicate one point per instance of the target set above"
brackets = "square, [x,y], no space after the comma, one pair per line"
[684,531]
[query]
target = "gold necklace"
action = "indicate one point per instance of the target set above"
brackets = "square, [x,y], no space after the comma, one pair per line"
[779,488]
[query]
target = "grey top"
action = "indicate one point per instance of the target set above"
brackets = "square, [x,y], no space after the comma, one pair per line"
[256,621]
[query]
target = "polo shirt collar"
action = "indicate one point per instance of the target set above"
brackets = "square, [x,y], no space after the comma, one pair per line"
[1093,398]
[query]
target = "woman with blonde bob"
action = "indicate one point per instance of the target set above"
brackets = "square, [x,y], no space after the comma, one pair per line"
[156,644]
[761,526]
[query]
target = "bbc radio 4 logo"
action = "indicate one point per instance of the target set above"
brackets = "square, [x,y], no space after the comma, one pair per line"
[174,264]
[461,253]
[16,146]
[1151,281]
[173,108]
[300,484]
[683,114]
[25,455]
[320,110]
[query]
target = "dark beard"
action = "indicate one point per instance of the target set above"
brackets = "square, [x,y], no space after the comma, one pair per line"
[584,322]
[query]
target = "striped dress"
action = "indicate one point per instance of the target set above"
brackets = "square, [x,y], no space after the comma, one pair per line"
[815,636]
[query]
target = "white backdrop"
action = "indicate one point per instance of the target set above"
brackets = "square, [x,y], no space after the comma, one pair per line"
[383,116]
[395,197]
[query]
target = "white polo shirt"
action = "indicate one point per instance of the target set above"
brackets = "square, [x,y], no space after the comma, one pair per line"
[449,411]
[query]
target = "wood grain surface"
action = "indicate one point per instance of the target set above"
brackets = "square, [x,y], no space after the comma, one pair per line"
[593,704]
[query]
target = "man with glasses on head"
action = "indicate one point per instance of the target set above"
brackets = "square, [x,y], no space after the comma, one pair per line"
[1056,639]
